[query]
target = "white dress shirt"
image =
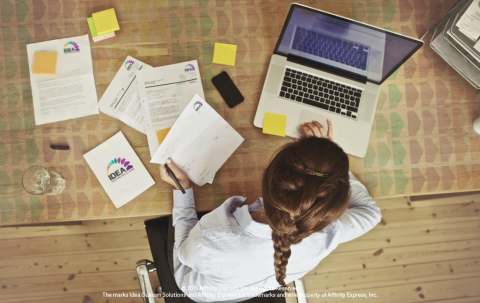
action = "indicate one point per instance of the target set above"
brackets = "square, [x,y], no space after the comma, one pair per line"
[228,257]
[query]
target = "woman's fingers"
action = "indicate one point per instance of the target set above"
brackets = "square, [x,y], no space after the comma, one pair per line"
[307,130]
[163,173]
[321,129]
[181,177]
[173,167]
[316,130]
[330,130]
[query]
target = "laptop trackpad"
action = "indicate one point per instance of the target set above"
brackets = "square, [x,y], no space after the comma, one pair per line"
[307,116]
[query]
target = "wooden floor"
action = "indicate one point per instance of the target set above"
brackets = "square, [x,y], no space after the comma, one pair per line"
[422,251]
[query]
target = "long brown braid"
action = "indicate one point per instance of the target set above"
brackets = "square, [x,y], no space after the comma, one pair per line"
[299,203]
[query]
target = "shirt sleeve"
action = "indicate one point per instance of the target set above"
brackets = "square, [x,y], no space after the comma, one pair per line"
[186,252]
[362,214]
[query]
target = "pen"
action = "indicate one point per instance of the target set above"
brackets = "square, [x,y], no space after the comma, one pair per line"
[59,147]
[172,175]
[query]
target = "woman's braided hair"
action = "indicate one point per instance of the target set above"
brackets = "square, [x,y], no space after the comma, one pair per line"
[298,203]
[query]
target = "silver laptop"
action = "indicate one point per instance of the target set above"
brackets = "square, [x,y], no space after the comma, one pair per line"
[328,67]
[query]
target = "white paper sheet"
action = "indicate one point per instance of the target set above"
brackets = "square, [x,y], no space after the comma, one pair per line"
[164,93]
[121,100]
[69,94]
[199,142]
[469,24]
[119,170]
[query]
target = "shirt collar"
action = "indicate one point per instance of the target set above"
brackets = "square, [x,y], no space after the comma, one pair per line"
[244,219]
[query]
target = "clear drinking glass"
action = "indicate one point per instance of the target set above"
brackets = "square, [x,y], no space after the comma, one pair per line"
[37,180]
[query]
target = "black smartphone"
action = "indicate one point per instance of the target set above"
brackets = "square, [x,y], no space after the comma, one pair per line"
[227,89]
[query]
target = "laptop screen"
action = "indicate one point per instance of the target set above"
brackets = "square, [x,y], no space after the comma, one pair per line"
[344,44]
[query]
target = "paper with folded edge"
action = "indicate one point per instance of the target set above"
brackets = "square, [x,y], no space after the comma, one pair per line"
[199,143]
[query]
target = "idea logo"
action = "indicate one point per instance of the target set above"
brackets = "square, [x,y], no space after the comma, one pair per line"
[129,64]
[122,166]
[189,68]
[71,47]
[197,105]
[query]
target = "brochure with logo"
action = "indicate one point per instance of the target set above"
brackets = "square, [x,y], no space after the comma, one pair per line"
[119,170]
[70,92]
[199,143]
[164,93]
[121,100]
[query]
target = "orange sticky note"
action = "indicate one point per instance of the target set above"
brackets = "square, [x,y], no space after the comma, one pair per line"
[161,134]
[45,63]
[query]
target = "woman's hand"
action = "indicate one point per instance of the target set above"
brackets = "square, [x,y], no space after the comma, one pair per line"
[315,129]
[180,175]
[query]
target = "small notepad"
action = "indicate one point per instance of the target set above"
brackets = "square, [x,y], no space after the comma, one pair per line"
[45,63]
[105,21]
[274,124]
[119,170]
[93,31]
[224,54]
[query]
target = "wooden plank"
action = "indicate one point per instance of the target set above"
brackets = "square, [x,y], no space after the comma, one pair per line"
[446,199]
[395,275]
[435,291]
[430,214]
[459,300]
[60,285]
[412,235]
[57,245]
[87,227]
[403,255]
[48,265]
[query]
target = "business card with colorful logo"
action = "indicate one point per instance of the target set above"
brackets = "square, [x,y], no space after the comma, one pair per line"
[119,169]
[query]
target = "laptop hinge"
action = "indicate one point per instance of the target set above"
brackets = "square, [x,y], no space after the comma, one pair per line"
[326,68]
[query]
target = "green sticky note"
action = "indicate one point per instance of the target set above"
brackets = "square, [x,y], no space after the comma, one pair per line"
[274,124]
[225,54]
[93,30]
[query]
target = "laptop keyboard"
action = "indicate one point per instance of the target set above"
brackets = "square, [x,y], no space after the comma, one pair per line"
[339,50]
[322,93]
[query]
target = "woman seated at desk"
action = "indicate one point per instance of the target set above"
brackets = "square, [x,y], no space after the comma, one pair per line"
[311,203]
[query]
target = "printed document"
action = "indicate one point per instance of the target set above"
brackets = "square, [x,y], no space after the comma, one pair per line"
[71,92]
[121,100]
[119,170]
[164,93]
[469,24]
[199,143]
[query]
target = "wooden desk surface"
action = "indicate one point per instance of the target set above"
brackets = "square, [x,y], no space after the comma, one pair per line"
[422,139]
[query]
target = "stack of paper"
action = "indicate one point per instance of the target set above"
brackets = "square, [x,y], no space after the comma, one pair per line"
[199,142]
[469,24]
[103,25]
[121,100]
[119,170]
[164,93]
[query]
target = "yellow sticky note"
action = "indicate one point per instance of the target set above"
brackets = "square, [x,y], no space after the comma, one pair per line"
[274,124]
[45,63]
[161,134]
[105,21]
[225,54]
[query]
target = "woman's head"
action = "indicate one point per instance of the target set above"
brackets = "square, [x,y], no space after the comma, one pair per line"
[297,200]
